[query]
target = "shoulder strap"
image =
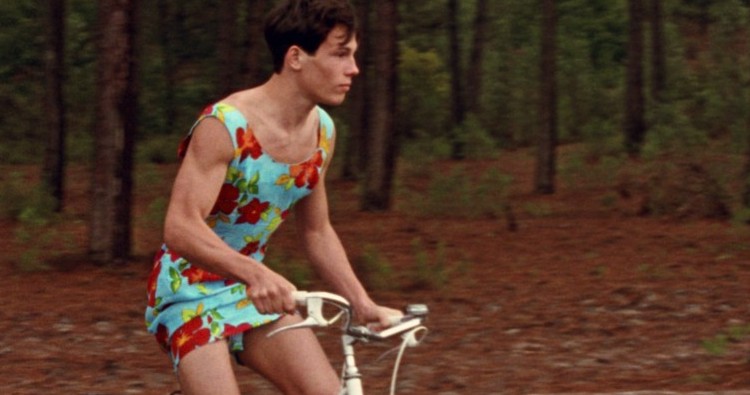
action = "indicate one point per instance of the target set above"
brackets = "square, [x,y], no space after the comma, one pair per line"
[327,133]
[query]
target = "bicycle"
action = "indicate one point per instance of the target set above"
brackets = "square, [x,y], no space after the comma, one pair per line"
[408,326]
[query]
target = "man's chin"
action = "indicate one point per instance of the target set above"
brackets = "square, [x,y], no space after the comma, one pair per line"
[333,101]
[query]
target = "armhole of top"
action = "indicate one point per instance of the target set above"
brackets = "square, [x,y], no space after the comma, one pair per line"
[226,119]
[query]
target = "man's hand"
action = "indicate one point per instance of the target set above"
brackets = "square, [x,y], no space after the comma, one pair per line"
[271,293]
[378,316]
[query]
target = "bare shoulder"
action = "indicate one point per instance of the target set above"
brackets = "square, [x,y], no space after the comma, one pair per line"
[210,141]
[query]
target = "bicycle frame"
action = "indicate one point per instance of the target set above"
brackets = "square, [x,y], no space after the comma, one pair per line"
[351,379]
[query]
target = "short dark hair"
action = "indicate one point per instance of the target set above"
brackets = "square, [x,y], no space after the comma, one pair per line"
[305,23]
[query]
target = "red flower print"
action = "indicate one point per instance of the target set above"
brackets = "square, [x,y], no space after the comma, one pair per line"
[251,212]
[197,275]
[189,336]
[247,144]
[152,279]
[307,173]
[227,200]
[230,329]
[161,336]
[250,248]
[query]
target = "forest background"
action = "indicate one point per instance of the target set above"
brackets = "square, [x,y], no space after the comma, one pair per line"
[441,80]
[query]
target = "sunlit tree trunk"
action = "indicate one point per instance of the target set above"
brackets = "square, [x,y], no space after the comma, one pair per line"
[458,107]
[355,151]
[110,234]
[658,57]
[475,71]
[54,103]
[256,52]
[635,124]
[381,138]
[546,158]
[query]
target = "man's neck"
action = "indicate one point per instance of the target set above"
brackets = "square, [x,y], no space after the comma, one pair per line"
[285,103]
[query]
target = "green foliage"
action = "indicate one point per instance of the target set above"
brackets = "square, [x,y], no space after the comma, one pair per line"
[435,270]
[33,210]
[684,189]
[592,36]
[590,169]
[15,193]
[21,73]
[373,269]
[429,272]
[671,132]
[424,88]
[475,141]
[159,149]
[720,343]
[457,194]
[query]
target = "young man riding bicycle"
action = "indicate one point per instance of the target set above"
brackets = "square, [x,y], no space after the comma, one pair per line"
[247,162]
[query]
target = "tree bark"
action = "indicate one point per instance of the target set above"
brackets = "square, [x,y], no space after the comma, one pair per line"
[381,140]
[227,67]
[658,59]
[167,10]
[355,151]
[255,48]
[635,124]
[54,103]
[116,94]
[475,70]
[546,158]
[458,107]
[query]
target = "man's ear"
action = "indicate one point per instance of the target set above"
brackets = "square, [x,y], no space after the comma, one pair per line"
[295,57]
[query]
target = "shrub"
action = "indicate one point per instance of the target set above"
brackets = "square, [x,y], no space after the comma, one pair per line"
[683,189]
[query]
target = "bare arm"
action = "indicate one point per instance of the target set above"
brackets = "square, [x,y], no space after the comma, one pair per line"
[196,187]
[327,254]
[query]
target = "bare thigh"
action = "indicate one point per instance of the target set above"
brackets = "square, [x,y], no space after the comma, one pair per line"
[293,360]
[207,370]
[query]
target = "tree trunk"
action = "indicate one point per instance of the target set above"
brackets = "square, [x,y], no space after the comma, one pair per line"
[475,71]
[54,103]
[635,124]
[116,93]
[458,107]
[546,163]
[658,59]
[746,171]
[255,48]
[167,37]
[226,48]
[355,151]
[381,139]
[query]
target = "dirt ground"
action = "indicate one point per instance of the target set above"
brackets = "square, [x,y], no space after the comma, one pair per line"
[585,296]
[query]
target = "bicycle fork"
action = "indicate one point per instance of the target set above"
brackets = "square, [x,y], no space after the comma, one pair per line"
[352,379]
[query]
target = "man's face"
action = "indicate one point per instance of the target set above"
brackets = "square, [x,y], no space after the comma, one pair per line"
[327,75]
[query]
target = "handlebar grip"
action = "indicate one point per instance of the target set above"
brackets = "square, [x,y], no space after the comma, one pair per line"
[300,297]
[395,319]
